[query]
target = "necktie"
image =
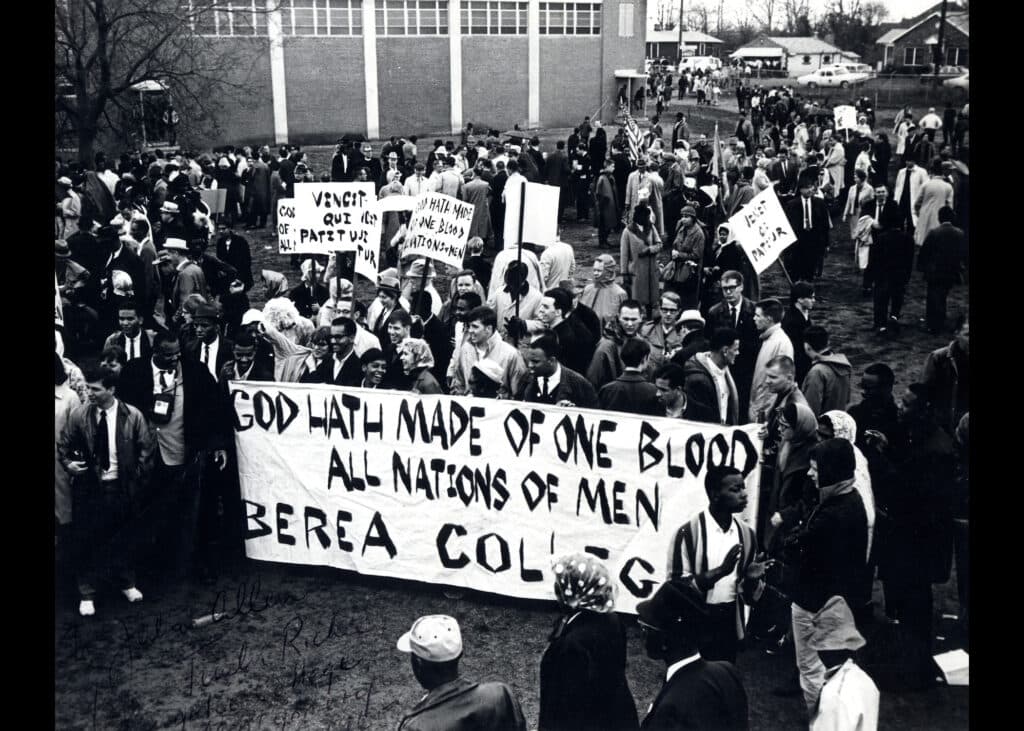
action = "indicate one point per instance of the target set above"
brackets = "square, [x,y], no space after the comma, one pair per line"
[878,210]
[546,387]
[103,443]
[206,355]
[131,348]
[732,314]
[807,214]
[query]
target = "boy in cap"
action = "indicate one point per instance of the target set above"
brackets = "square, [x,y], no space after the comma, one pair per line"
[452,703]
[697,694]
[849,698]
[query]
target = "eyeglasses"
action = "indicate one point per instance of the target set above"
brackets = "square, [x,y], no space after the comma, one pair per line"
[730,287]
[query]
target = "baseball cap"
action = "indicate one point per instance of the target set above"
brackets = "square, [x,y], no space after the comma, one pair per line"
[435,638]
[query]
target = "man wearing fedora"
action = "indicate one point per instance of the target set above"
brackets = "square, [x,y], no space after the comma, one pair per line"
[188,277]
[452,703]
[697,694]
[120,258]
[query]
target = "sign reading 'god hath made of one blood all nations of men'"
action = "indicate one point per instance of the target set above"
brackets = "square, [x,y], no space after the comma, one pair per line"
[471,492]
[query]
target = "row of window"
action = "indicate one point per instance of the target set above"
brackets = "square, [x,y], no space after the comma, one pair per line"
[393,17]
[921,55]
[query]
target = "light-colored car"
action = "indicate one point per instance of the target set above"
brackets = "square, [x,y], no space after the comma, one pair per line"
[831,77]
[703,63]
[959,82]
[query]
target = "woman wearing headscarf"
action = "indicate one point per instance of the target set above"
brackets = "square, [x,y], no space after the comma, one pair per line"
[392,219]
[417,360]
[276,284]
[791,499]
[723,255]
[639,247]
[583,682]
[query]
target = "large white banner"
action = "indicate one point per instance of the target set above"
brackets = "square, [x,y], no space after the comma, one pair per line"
[471,492]
[762,229]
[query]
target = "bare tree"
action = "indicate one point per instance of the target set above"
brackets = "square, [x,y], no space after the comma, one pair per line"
[796,17]
[763,12]
[104,48]
[697,17]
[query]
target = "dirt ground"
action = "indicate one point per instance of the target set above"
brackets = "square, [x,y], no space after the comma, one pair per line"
[311,648]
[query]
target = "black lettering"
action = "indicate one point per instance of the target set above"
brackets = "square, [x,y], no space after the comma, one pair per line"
[672,469]
[287,642]
[646,447]
[602,449]
[348,478]
[528,575]
[437,426]
[593,498]
[601,553]
[498,485]
[282,524]
[533,479]
[409,419]
[653,511]
[321,534]
[721,444]
[741,438]
[645,587]
[284,420]
[474,434]
[695,457]
[343,517]
[239,424]
[618,488]
[263,409]
[401,471]
[373,427]
[522,425]
[263,529]
[481,553]
[443,536]
[380,537]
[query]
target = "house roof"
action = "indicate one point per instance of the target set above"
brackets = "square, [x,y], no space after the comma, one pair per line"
[798,46]
[672,36]
[695,36]
[960,21]
[758,52]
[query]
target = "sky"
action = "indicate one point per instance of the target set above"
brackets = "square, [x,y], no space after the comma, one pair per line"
[898,9]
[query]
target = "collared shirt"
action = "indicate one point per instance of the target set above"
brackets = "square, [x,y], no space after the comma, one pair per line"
[548,384]
[244,376]
[677,666]
[111,412]
[337,365]
[721,387]
[133,346]
[208,355]
[163,380]
[718,544]
[416,184]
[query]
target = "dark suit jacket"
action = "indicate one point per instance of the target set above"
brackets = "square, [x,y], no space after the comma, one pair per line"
[750,343]
[194,351]
[341,167]
[145,344]
[571,387]
[351,372]
[556,169]
[701,695]
[575,344]
[786,180]
[131,265]
[794,324]
[238,256]
[583,677]
[300,295]
[631,393]
[815,238]
[205,427]
[892,249]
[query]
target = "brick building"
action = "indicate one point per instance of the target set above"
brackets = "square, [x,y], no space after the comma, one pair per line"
[383,67]
[911,47]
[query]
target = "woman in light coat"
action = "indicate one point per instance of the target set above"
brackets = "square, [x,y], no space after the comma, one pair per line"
[933,195]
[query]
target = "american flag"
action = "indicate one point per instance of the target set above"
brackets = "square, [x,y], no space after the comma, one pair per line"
[635,137]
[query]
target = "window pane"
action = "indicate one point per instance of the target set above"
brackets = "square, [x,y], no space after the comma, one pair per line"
[303,21]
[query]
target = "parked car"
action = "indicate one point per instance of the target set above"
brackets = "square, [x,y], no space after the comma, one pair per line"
[831,77]
[705,63]
[958,82]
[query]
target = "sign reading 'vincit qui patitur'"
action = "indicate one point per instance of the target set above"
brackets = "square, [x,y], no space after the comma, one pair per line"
[332,217]
[468,492]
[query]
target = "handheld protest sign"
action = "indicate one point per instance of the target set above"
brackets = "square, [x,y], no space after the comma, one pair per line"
[762,229]
[845,117]
[439,229]
[287,230]
[475,493]
[540,213]
[335,217]
[215,200]
[58,308]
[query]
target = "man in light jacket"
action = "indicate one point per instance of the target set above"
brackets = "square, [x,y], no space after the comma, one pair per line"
[774,342]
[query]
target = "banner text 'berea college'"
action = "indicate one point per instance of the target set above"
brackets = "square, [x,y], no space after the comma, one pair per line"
[471,492]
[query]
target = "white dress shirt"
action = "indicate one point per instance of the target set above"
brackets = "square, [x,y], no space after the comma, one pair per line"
[717,544]
[133,346]
[111,411]
[677,666]
[208,353]
[552,381]
[721,387]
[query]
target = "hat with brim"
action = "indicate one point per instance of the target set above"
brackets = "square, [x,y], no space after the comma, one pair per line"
[207,312]
[688,211]
[674,604]
[64,180]
[419,266]
[690,316]
[387,283]
[252,316]
[169,207]
[434,638]
[174,244]
[61,250]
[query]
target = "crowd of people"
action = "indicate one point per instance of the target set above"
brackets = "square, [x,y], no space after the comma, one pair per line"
[670,323]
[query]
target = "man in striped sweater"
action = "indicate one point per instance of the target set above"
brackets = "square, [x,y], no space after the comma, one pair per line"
[717,551]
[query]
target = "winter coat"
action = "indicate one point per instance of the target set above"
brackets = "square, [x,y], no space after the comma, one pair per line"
[827,384]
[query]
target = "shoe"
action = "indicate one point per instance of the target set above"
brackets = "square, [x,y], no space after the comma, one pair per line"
[86,608]
[132,594]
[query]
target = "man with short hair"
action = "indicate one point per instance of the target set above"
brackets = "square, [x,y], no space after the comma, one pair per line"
[209,348]
[877,410]
[697,694]
[941,259]
[606,365]
[890,262]
[557,262]
[670,381]
[484,342]
[631,392]
[551,382]
[945,374]
[233,250]
[575,346]
[190,278]
[796,320]
[808,215]
[691,327]
[434,646]
[711,392]
[107,447]
[736,311]
[664,332]
[774,342]
[417,182]
[131,338]
[909,181]
[718,552]
[556,173]
[343,367]
[827,384]
[243,365]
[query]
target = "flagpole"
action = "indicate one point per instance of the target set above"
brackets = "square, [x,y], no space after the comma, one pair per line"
[519,254]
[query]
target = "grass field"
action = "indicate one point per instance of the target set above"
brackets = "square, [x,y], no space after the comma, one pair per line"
[311,648]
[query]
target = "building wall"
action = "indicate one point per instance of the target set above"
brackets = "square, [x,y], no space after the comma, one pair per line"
[953,39]
[570,79]
[814,61]
[495,84]
[252,119]
[414,81]
[617,52]
[324,88]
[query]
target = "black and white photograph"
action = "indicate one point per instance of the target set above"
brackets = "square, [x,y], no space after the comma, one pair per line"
[511,365]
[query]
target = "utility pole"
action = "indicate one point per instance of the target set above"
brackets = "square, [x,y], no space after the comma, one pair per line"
[682,25]
[720,4]
[939,48]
